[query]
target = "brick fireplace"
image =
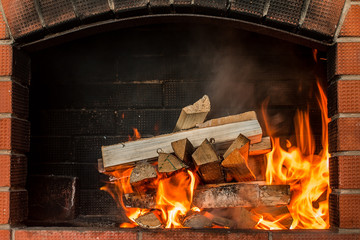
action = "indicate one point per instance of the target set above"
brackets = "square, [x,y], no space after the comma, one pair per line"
[29,26]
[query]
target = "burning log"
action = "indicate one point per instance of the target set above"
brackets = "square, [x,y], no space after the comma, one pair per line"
[142,174]
[236,157]
[272,213]
[148,220]
[224,195]
[136,200]
[208,163]
[241,195]
[257,165]
[183,149]
[221,221]
[130,152]
[197,221]
[168,163]
[251,115]
[262,147]
[193,114]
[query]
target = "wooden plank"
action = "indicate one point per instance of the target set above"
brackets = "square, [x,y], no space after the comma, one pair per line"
[208,163]
[246,116]
[130,152]
[193,114]
[262,147]
[241,195]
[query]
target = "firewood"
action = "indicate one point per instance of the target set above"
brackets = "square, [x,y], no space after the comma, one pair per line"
[130,152]
[183,149]
[142,174]
[257,165]
[271,213]
[220,221]
[242,143]
[235,162]
[137,200]
[244,218]
[148,220]
[246,116]
[100,166]
[168,163]
[236,165]
[197,221]
[193,114]
[262,147]
[249,194]
[241,195]
[208,163]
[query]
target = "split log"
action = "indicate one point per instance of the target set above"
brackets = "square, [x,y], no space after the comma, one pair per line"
[241,195]
[130,152]
[148,220]
[246,116]
[208,163]
[223,196]
[193,114]
[100,166]
[262,147]
[142,174]
[221,221]
[235,162]
[183,149]
[236,165]
[197,221]
[136,200]
[272,213]
[257,165]
[244,218]
[168,163]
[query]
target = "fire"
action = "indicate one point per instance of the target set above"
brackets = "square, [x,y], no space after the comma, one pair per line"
[174,197]
[135,136]
[306,172]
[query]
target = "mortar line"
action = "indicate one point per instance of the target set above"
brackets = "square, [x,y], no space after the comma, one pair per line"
[266,8]
[5,79]
[39,13]
[5,226]
[346,191]
[345,153]
[4,189]
[111,5]
[345,115]
[342,19]
[6,42]
[348,39]
[6,22]
[304,11]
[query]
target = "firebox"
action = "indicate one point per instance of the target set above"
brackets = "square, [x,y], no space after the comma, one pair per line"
[105,72]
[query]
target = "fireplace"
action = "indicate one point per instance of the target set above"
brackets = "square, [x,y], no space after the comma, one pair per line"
[78,96]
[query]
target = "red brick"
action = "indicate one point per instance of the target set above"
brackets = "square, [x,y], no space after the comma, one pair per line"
[182,234]
[305,235]
[74,234]
[344,172]
[13,171]
[344,59]
[4,207]
[344,97]
[22,17]
[56,13]
[5,97]
[5,234]
[4,32]
[14,134]
[349,211]
[350,27]
[5,60]
[13,206]
[344,134]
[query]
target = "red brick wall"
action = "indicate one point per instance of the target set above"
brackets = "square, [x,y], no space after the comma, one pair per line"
[344,108]
[344,128]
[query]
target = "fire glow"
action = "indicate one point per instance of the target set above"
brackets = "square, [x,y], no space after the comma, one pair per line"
[296,165]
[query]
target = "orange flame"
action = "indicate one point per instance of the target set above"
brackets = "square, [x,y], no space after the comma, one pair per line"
[135,136]
[306,172]
[174,197]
